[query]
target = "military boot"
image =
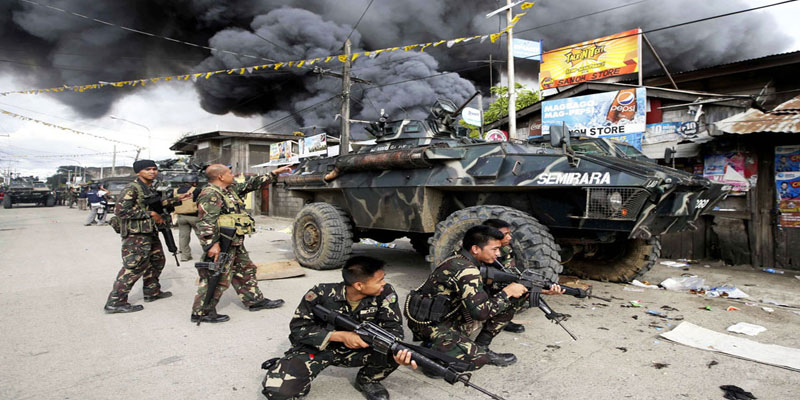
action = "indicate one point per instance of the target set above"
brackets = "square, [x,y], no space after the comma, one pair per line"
[372,390]
[515,328]
[483,340]
[265,303]
[122,308]
[212,318]
[160,295]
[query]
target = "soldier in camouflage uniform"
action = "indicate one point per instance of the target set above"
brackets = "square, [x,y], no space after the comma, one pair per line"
[507,261]
[220,204]
[365,296]
[142,255]
[458,279]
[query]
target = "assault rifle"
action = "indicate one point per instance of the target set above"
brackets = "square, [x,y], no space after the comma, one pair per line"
[155,202]
[535,286]
[215,269]
[384,342]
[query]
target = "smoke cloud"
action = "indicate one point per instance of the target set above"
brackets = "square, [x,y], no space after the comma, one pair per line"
[46,48]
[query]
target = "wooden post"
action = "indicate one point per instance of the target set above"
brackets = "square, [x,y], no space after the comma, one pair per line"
[344,137]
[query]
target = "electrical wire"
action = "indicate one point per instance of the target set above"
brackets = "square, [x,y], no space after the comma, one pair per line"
[358,22]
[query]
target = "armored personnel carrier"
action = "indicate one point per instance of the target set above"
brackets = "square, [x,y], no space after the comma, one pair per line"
[23,190]
[598,213]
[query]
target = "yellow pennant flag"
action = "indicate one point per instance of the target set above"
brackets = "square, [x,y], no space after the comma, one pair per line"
[241,71]
[526,5]
[208,74]
[343,58]
[230,71]
[328,58]
[410,47]
[424,46]
[493,37]
[169,78]
[439,42]
[300,63]
[355,55]
[290,64]
[278,66]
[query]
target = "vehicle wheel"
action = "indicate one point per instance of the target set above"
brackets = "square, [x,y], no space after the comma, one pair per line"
[322,236]
[420,244]
[7,202]
[532,241]
[622,261]
[51,201]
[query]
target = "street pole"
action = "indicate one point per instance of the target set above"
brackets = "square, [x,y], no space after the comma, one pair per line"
[512,90]
[344,137]
[114,162]
[480,107]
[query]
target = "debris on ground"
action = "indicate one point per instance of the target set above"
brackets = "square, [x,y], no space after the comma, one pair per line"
[578,305]
[668,308]
[630,289]
[600,304]
[731,292]
[644,284]
[636,303]
[736,393]
[711,364]
[665,316]
[674,264]
[658,365]
[553,346]
[766,300]
[732,308]
[602,328]
[707,308]
[747,329]
[373,242]
[622,349]
[772,271]
[635,317]
[768,309]
[692,282]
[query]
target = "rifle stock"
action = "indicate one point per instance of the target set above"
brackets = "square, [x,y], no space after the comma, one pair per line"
[449,368]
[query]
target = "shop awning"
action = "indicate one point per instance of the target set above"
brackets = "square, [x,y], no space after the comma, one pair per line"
[785,118]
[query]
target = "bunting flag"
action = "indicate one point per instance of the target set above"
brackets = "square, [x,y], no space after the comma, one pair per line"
[275,66]
[47,124]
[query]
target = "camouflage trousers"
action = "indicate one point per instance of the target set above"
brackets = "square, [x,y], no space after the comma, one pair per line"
[291,376]
[142,257]
[242,274]
[454,340]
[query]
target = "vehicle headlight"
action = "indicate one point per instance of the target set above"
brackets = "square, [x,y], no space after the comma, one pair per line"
[615,201]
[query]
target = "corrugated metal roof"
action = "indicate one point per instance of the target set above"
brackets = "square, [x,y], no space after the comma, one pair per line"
[785,118]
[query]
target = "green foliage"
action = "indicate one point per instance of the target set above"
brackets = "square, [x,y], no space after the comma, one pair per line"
[499,108]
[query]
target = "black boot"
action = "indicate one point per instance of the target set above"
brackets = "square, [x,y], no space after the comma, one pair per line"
[515,328]
[483,340]
[212,318]
[372,390]
[265,303]
[122,308]
[160,295]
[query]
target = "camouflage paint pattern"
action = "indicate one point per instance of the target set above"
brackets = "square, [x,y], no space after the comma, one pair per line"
[459,279]
[142,257]
[241,274]
[312,351]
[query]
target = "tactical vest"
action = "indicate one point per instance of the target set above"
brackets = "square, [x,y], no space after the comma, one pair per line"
[128,226]
[234,214]
[187,206]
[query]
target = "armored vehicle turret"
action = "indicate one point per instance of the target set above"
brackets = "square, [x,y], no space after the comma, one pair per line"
[596,210]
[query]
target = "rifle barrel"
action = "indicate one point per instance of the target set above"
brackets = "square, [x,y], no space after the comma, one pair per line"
[467,383]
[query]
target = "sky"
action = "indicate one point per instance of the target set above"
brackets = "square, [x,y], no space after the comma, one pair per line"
[169,111]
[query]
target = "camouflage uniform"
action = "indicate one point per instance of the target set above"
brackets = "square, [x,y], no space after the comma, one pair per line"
[508,262]
[142,255]
[459,278]
[312,351]
[242,272]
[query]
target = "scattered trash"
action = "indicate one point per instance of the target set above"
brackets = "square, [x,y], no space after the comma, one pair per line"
[768,309]
[707,308]
[600,304]
[706,266]
[684,283]
[660,365]
[630,289]
[373,242]
[668,308]
[687,260]
[711,364]
[657,314]
[747,329]
[771,301]
[731,292]
[577,305]
[553,346]
[602,328]
[736,393]
[616,298]
[674,264]
[635,317]
[772,271]
[269,228]
[623,349]
[636,303]
[732,308]
[645,284]
[656,342]
[750,303]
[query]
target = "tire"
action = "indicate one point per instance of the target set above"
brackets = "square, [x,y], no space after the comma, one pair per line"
[51,201]
[7,201]
[420,244]
[322,236]
[532,240]
[622,261]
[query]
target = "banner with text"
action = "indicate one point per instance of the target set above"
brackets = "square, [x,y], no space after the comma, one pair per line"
[787,180]
[283,153]
[603,114]
[316,145]
[591,60]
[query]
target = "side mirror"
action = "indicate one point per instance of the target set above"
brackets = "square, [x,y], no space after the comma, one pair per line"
[559,135]
[669,155]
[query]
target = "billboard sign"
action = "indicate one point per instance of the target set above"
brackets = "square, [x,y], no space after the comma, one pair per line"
[591,60]
[603,114]
[787,181]
[471,116]
[316,145]
[527,49]
[282,153]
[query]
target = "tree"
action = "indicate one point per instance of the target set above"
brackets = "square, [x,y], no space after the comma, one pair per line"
[499,108]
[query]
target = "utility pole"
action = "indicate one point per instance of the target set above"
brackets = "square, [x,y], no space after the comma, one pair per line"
[512,90]
[114,162]
[344,137]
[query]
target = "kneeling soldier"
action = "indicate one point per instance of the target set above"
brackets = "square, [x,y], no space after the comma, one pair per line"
[442,310]
[366,297]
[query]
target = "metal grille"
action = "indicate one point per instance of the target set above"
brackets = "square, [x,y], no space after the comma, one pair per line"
[598,206]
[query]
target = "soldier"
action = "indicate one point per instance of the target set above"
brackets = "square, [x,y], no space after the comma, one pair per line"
[366,297]
[187,216]
[220,204]
[507,261]
[142,255]
[72,197]
[442,310]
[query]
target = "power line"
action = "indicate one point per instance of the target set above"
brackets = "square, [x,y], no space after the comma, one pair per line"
[359,21]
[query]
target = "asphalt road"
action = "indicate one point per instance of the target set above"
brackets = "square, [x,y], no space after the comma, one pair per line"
[57,342]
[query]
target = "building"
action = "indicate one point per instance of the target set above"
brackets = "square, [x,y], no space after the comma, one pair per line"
[241,151]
